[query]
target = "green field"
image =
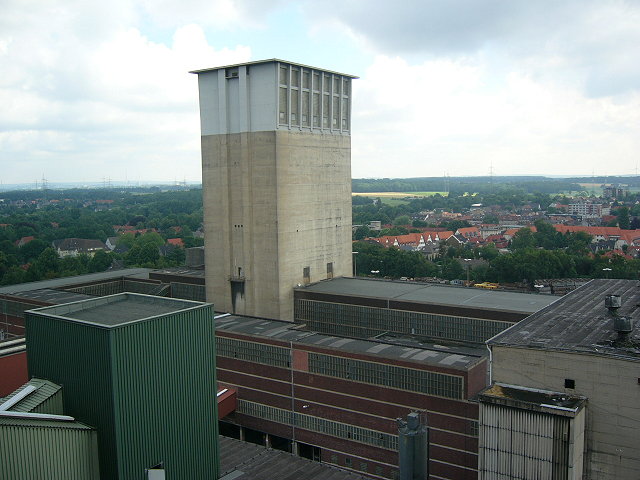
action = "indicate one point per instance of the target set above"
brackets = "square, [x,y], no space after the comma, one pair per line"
[396,198]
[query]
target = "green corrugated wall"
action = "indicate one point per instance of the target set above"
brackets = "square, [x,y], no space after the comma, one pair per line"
[31,449]
[164,373]
[77,356]
[148,387]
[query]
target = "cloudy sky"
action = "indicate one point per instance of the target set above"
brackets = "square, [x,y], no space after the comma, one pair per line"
[98,90]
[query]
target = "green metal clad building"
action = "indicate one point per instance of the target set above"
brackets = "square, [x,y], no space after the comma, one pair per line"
[37,441]
[141,370]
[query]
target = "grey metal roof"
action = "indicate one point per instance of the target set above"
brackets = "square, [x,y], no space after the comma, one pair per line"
[118,309]
[580,322]
[79,279]
[433,294]
[459,358]
[247,461]
[271,60]
[51,296]
[180,271]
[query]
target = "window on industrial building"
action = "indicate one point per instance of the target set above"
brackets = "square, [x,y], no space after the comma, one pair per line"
[295,107]
[295,77]
[320,425]
[365,322]
[252,352]
[306,274]
[569,383]
[284,75]
[283,115]
[231,72]
[423,381]
[330,270]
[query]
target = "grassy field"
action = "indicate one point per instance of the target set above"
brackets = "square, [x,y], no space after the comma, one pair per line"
[396,194]
[396,198]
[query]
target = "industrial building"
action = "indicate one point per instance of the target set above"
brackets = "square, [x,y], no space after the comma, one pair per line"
[276,175]
[336,399]
[140,370]
[565,397]
[365,307]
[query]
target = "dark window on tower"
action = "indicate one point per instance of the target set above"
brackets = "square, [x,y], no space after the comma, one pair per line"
[306,273]
[569,383]
[330,270]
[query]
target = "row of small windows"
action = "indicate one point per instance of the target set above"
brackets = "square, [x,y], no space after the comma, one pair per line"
[253,352]
[318,424]
[312,99]
[15,309]
[379,320]
[430,383]
[188,291]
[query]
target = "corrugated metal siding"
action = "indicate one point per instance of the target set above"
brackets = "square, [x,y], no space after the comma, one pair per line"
[166,409]
[46,399]
[35,450]
[82,366]
[521,444]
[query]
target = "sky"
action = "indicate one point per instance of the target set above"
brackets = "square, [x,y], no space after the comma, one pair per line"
[96,91]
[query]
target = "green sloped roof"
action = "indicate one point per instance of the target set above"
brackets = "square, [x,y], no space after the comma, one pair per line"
[44,391]
[41,423]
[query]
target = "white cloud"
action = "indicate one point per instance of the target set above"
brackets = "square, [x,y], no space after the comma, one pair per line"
[87,96]
[447,116]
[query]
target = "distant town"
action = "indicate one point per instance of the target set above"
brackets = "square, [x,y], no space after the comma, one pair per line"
[527,233]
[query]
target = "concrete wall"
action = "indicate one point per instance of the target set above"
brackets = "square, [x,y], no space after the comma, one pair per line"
[274,203]
[613,408]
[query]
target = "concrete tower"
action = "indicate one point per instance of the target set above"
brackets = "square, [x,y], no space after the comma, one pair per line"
[276,175]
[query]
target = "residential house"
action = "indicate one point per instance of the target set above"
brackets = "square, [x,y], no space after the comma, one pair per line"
[71,247]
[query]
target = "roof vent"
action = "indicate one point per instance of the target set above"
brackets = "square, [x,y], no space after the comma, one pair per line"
[624,326]
[613,303]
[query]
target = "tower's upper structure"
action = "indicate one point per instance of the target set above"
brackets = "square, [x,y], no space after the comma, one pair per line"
[276,173]
[274,95]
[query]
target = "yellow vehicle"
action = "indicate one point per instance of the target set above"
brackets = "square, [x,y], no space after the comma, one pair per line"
[487,285]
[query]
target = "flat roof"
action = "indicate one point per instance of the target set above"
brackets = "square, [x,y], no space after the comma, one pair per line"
[435,294]
[180,271]
[271,60]
[247,461]
[580,322]
[115,310]
[459,358]
[78,279]
[51,296]
[558,403]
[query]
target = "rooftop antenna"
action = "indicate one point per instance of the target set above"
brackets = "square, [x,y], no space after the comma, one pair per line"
[491,176]
[44,187]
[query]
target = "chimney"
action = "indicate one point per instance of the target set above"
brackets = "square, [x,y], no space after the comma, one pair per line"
[413,447]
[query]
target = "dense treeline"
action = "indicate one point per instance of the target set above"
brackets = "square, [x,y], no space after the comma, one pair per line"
[460,185]
[91,214]
[543,254]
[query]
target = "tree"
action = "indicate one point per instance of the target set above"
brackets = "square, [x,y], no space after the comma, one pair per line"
[523,239]
[361,232]
[402,220]
[100,261]
[623,218]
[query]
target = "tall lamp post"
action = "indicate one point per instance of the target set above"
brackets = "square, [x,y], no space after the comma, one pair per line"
[606,272]
[467,264]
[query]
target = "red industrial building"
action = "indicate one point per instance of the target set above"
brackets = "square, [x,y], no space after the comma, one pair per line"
[337,399]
